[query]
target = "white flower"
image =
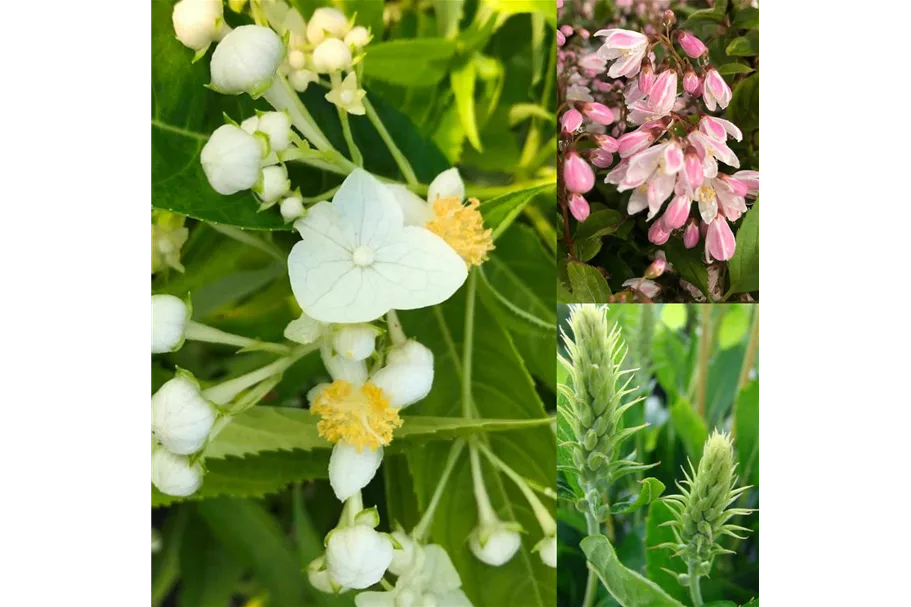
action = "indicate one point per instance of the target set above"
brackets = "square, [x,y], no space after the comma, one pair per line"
[444,214]
[357,556]
[547,550]
[181,416]
[301,79]
[169,321]
[291,208]
[358,37]
[348,96]
[357,260]
[408,374]
[407,558]
[495,545]
[277,127]
[351,469]
[627,47]
[246,60]
[434,582]
[326,22]
[331,55]
[231,160]
[173,475]
[197,22]
[355,342]
[274,184]
[319,576]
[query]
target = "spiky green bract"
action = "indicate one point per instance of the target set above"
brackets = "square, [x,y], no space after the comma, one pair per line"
[595,405]
[702,510]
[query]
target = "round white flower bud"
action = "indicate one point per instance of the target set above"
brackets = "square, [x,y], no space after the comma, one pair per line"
[355,342]
[251,124]
[292,208]
[173,475]
[547,550]
[231,159]
[277,125]
[169,321]
[358,37]
[181,416]
[331,55]
[196,22]
[408,374]
[319,576]
[275,183]
[326,22]
[246,60]
[301,79]
[297,60]
[407,558]
[358,556]
[502,544]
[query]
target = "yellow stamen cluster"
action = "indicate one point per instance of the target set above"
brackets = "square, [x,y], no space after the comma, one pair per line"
[462,227]
[706,193]
[360,416]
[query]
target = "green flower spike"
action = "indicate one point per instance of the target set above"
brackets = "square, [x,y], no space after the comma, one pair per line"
[595,411]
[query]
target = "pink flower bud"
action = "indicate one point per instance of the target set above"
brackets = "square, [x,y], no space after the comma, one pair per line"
[751,179]
[740,188]
[577,174]
[691,82]
[570,121]
[646,76]
[601,158]
[690,44]
[677,212]
[719,241]
[598,112]
[656,268]
[664,92]
[634,141]
[658,233]
[692,169]
[691,235]
[567,30]
[672,158]
[606,142]
[669,17]
[561,39]
[578,206]
[716,90]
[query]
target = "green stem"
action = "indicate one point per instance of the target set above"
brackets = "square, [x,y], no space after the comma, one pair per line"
[356,155]
[486,514]
[695,591]
[591,585]
[420,530]
[249,239]
[400,160]
[225,392]
[468,343]
[199,332]
[396,332]
[327,195]
[548,525]
[284,98]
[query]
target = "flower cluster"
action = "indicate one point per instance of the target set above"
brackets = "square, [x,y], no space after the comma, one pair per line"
[641,106]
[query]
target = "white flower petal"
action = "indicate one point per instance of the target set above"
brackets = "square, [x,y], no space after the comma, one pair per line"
[169,321]
[340,367]
[415,209]
[369,208]
[375,599]
[454,598]
[351,470]
[445,185]
[408,374]
[305,330]
[439,568]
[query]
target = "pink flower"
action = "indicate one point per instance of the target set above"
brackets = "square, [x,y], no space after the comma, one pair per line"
[691,235]
[601,158]
[678,211]
[571,120]
[691,83]
[716,90]
[719,240]
[740,188]
[578,206]
[718,195]
[606,143]
[661,98]
[634,141]
[627,47]
[598,112]
[710,150]
[592,62]
[646,76]
[561,39]
[647,287]
[566,30]
[577,174]
[690,44]
[693,172]
[719,129]
[659,233]
[751,179]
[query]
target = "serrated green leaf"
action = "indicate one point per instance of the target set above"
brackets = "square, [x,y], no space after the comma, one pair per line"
[209,573]
[650,489]
[628,587]
[416,62]
[588,285]
[499,213]
[744,266]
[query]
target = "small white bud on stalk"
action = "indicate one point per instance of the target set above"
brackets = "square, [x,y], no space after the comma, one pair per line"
[495,545]
[319,576]
[408,374]
[407,558]
[301,79]
[173,474]
[197,22]
[358,556]
[181,416]
[246,60]
[358,37]
[291,208]
[331,55]
[355,342]
[274,184]
[547,550]
[169,322]
[277,125]
[231,160]
[326,23]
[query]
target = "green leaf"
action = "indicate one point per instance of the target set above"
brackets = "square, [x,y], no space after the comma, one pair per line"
[690,427]
[688,263]
[628,587]
[744,46]
[702,16]
[598,224]
[734,326]
[722,604]
[746,19]
[744,266]
[369,15]
[659,559]
[513,7]
[744,108]
[588,285]
[252,536]
[673,316]
[734,68]
[449,14]
[462,81]
[650,490]
[587,249]
[521,112]
[500,212]
[210,573]
[746,428]
[415,62]
[287,428]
